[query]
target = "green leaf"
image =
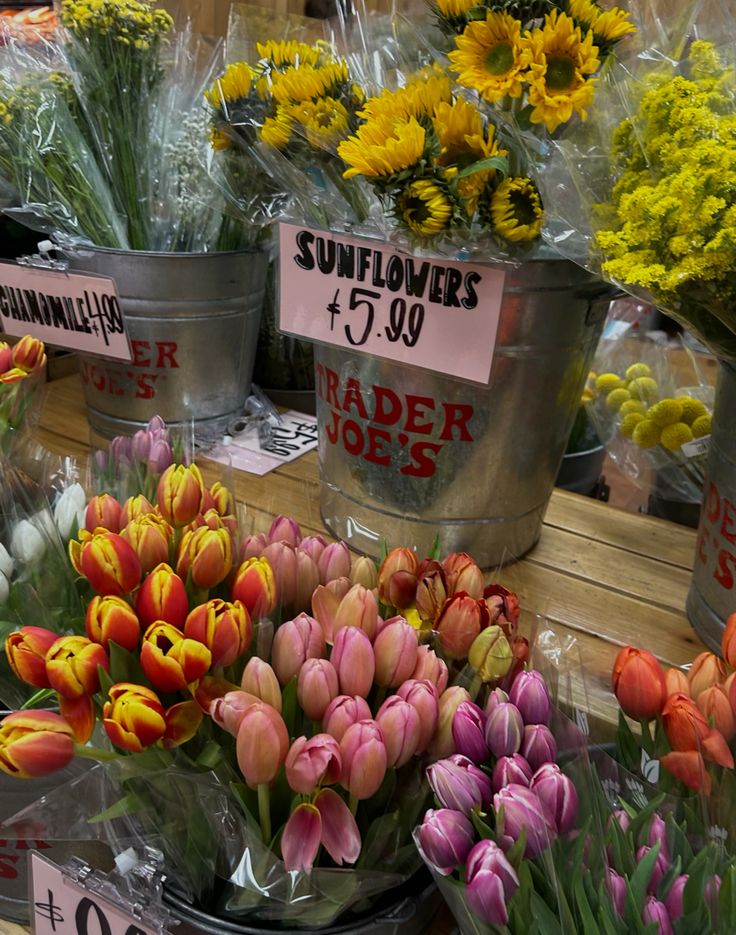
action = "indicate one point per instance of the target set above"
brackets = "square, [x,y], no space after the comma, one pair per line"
[582,905]
[125,666]
[642,875]
[727,902]
[289,706]
[380,838]
[106,682]
[128,805]
[483,829]
[500,163]
[383,552]
[434,552]
[37,698]
[547,921]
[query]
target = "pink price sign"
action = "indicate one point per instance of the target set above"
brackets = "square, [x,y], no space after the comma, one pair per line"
[78,311]
[368,296]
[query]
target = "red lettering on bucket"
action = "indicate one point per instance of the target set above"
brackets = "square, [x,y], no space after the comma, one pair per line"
[717,534]
[141,353]
[723,574]
[116,382]
[166,351]
[8,870]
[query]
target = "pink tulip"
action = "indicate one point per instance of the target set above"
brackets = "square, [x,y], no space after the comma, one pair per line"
[655,913]
[674,898]
[295,641]
[311,763]
[510,769]
[307,580]
[228,710]
[661,866]
[451,698]
[260,680]
[317,685]
[396,654]
[342,712]
[399,722]
[325,602]
[284,529]
[301,836]
[282,558]
[253,546]
[363,571]
[314,546]
[422,695]
[357,609]
[364,758]
[262,744]
[340,835]
[353,659]
[617,888]
[334,562]
[430,666]
[459,784]
[490,882]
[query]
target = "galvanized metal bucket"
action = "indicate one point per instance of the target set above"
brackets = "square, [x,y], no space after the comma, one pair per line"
[192,320]
[712,596]
[407,454]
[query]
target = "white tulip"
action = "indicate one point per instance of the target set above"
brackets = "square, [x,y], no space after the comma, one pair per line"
[69,510]
[6,562]
[4,589]
[26,543]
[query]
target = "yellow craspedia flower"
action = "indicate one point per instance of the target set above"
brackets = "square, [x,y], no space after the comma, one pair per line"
[646,434]
[643,388]
[453,9]
[616,398]
[288,52]
[665,412]
[425,208]
[233,85]
[629,423]
[692,409]
[560,62]
[487,57]
[607,382]
[632,405]
[516,210]
[638,370]
[702,426]
[381,149]
[674,436]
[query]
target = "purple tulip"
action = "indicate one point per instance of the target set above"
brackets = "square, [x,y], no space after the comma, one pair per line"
[490,882]
[482,778]
[621,817]
[673,901]
[523,810]
[557,794]
[661,866]
[446,838]
[504,729]
[160,456]
[538,745]
[495,698]
[468,725]
[156,426]
[510,769]
[458,788]
[657,834]
[655,912]
[617,890]
[120,449]
[530,695]
[101,459]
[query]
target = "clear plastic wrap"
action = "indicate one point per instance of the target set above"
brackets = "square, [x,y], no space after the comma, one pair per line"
[22,386]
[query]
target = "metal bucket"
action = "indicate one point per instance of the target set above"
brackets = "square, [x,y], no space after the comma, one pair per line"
[712,596]
[192,320]
[471,463]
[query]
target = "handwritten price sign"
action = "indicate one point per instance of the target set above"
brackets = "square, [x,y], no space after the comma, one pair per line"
[62,907]
[368,296]
[72,310]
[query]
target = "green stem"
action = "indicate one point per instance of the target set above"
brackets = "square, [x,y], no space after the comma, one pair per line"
[264,811]
[353,804]
[474,686]
[95,753]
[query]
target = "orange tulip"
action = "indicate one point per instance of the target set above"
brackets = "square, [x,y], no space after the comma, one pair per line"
[72,665]
[224,627]
[728,641]
[26,651]
[255,586]
[707,669]
[182,723]
[689,767]
[134,717]
[79,713]
[134,508]
[676,681]
[170,660]
[460,621]
[103,511]
[205,557]
[180,495]
[149,536]
[29,354]
[463,575]
[638,683]
[162,596]
[397,578]
[716,708]
[34,743]
[107,562]
[684,725]
[715,748]
[112,618]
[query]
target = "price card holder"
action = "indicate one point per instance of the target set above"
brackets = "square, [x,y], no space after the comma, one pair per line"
[76,899]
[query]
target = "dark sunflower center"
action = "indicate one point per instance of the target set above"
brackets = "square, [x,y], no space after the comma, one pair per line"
[324,120]
[500,59]
[417,210]
[524,207]
[560,73]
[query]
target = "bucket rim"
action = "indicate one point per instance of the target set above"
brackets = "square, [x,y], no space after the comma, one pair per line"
[82,250]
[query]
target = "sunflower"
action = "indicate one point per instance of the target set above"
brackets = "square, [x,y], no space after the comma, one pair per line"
[586,12]
[559,59]
[288,52]
[307,83]
[453,9]
[382,148]
[233,85]
[325,122]
[488,57]
[612,25]
[516,210]
[425,208]
[419,98]
[277,130]
[219,139]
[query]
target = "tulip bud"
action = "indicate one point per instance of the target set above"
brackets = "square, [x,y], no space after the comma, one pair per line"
[396,654]
[354,661]
[69,511]
[284,529]
[463,575]
[6,357]
[307,580]
[397,578]
[223,627]
[715,707]
[282,558]
[495,697]
[728,641]
[363,571]
[253,546]
[262,744]
[657,834]
[674,899]
[399,722]
[311,763]
[364,756]
[26,651]
[72,666]
[342,712]
[27,543]
[490,881]
[149,537]
[29,354]
[459,784]
[180,494]
[431,594]
[655,913]
[109,564]
[228,710]
[260,680]
[430,666]
[446,838]
[294,642]
[707,669]
[103,511]
[511,769]
[451,698]
[460,621]
[522,810]
[162,596]
[684,725]
[135,508]
[205,557]
[422,696]
[112,618]
[255,587]
[316,687]
[324,607]
[490,654]
[503,607]
[675,680]
[557,794]
[34,743]
[538,746]
[529,694]
[715,748]
[334,562]
[314,546]
[357,609]
[617,888]
[689,767]
[468,726]
[504,730]
[638,683]
[134,717]
[170,660]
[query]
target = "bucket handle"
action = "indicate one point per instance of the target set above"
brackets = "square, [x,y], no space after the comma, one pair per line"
[401,914]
